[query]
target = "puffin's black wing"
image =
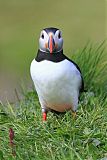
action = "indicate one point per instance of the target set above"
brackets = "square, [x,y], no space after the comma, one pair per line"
[82,84]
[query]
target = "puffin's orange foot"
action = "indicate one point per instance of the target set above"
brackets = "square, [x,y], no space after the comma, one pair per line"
[74,114]
[44,116]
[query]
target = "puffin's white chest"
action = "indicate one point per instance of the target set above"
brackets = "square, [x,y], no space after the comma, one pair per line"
[57,84]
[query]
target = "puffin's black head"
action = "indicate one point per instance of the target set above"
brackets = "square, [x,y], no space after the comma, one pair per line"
[51,40]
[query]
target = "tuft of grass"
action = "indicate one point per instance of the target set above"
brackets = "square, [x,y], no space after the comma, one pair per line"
[61,137]
[92,60]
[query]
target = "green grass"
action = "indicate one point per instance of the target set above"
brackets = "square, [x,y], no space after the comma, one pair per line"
[92,60]
[61,138]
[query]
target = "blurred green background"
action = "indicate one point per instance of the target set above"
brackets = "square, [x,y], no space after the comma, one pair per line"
[21,22]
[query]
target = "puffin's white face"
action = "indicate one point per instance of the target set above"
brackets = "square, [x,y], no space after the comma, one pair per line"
[51,40]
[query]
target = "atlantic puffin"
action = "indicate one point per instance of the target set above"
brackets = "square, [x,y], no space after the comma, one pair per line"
[57,79]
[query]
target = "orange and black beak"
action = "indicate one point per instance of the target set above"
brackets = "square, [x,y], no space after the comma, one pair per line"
[51,43]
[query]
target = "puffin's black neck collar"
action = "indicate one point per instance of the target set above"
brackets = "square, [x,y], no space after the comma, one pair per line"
[55,57]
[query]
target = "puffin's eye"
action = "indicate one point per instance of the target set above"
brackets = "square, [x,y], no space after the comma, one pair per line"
[59,35]
[42,36]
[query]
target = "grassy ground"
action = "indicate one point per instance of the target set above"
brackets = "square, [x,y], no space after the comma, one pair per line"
[61,138]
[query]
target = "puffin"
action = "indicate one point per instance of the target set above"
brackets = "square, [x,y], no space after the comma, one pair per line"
[57,79]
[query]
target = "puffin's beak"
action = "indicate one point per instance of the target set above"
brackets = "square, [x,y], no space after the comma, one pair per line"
[51,43]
